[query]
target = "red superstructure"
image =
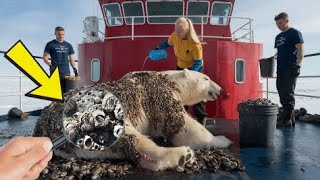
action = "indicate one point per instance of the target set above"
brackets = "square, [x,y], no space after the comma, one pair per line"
[229,61]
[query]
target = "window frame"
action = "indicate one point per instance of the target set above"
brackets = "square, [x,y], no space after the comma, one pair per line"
[105,14]
[91,69]
[124,14]
[220,2]
[146,5]
[208,12]
[235,71]
[260,77]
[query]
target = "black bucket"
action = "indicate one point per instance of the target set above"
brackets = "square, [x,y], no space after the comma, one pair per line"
[267,67]
[257,124]
[72,82]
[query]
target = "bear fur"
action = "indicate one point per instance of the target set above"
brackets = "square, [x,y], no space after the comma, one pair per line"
[153,104]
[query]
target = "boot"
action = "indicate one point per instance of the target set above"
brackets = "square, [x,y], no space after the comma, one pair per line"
[293,120]
[288,119]
[280,120]
[203,121]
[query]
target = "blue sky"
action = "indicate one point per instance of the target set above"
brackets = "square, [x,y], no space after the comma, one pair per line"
[33,22]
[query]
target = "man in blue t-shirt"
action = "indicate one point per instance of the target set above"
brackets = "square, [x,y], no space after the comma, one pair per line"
[289,44]
[61,53]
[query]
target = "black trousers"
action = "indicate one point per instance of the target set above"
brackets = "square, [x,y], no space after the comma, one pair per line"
[199,109]
[286,84]
[62,79]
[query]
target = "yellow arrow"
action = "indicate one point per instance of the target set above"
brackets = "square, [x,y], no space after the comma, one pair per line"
[49,88]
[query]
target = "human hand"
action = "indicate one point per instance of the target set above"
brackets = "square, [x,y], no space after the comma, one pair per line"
[271,58]
[296,70]
[75,72]
[24,158]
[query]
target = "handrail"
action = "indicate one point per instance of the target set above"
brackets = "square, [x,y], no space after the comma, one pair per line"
[36,57]
[301,95]
[20,94]
[201,36]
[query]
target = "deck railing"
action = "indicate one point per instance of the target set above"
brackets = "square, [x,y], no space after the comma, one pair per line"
[302,77]
[244,30]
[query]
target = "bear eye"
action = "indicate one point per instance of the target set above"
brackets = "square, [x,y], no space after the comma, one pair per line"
[205,78]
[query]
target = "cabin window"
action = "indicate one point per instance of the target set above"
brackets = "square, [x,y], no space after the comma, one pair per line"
[95,70]
[113,14]
[172,9]
[198,8]
[239,71]
[133,9]
[220,9]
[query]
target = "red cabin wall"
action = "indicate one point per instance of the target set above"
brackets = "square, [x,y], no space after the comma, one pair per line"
[119,57]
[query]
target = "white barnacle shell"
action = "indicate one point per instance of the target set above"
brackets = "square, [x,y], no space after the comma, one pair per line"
[108,102]
[96,147]
[88,142]
[99,119]
[117,130]
[118,111]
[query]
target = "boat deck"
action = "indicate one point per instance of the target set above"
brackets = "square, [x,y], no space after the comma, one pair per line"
[296,154]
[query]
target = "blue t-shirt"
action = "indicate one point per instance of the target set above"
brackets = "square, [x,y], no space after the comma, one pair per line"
[287,52]
[59,53]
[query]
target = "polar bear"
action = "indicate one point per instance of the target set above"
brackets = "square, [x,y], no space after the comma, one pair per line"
[153,102]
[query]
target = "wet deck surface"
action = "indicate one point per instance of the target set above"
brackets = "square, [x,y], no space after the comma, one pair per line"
[295,155]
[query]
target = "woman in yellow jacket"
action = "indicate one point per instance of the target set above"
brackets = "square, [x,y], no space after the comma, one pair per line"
[188,50]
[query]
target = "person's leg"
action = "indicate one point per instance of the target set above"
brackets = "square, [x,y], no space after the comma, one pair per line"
[286,84]
[200,109]
[280,93]
[62,79]
[200,112]
[63,82]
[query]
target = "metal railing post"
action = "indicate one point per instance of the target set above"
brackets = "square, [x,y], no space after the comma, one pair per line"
[20,90]
[132,28]
[201,28]
[250,29]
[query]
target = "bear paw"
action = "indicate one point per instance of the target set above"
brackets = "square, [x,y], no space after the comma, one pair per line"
[222,142]
[186,157]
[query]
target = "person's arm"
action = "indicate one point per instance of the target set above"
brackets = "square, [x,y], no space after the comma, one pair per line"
[166,43]
[163,45]
[197,58]
[46,55]
[72,61]
[298,43]
[299,53]
[46,58]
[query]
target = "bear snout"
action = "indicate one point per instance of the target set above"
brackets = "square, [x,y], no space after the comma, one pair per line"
[214,94]
[221,91]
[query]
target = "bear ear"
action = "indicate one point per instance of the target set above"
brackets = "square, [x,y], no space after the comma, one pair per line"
[186,73]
